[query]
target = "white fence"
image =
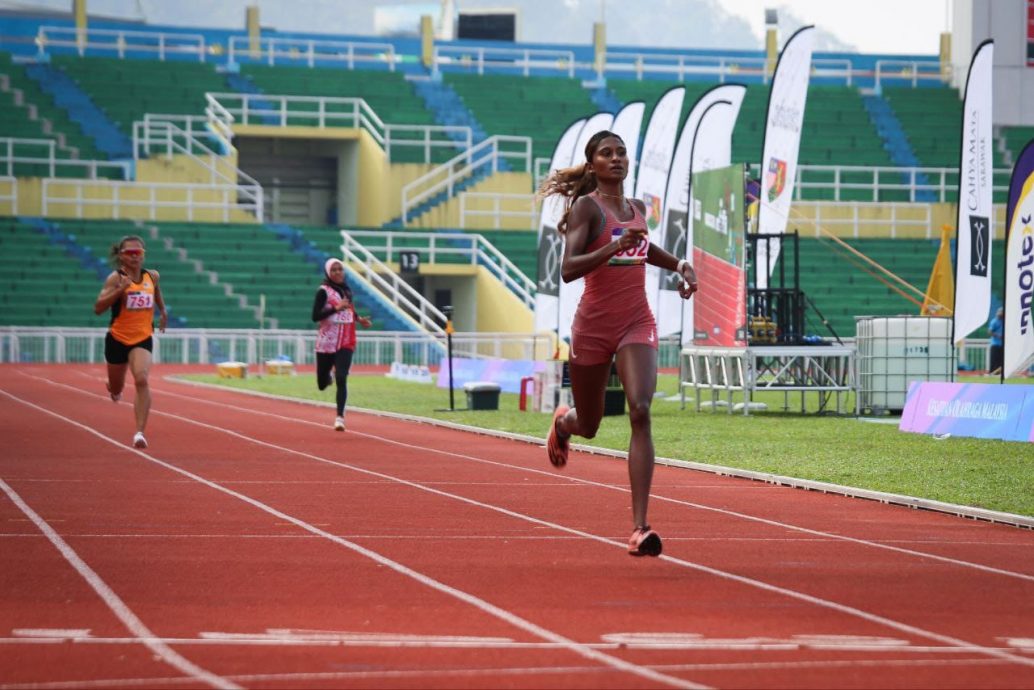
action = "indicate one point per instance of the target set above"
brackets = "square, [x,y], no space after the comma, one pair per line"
[211,346]
[292,51]
[156,43]
[271,110]
[17,151]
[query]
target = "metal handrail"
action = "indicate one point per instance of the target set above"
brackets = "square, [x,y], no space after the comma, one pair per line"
[226,109]
[160,42]
[525,59]
[156,130]
[367,265]
[445,177]
[9,158]
[233,197]
[471,247]
[311,51]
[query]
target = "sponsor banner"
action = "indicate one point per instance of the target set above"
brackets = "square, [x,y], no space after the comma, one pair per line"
[786,102]
[719,308]
[970,409]
[506,372]
[571,293]
[704,144]
[973,238]
[627,125]
[652,180]
[1019,266]
[550,246]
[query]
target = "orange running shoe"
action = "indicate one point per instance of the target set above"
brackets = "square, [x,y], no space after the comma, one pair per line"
[557,445]
[645,542]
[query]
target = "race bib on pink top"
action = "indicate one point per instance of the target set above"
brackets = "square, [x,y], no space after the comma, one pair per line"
[636,256]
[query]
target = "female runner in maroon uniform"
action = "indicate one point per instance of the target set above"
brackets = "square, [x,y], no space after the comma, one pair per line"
[606,242]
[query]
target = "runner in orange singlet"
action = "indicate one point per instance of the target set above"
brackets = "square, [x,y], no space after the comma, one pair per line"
[606,242]
[132,293]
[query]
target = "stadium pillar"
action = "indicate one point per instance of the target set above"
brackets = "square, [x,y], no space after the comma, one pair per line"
[599,43]
[251,21]
[771,41]
[79,10]
[427,41]
[946,55]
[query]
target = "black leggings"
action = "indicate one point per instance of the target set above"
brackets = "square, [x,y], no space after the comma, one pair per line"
[341,362]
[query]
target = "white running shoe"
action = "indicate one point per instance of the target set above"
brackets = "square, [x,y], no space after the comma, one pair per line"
[139,441]
[339,423]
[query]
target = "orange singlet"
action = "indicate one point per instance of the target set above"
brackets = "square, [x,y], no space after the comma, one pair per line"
[613,311]
[132,316]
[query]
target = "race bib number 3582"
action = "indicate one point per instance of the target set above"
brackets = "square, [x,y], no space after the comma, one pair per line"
[139,300]
[636,256]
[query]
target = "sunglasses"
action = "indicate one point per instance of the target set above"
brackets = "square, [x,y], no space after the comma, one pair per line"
[133,252]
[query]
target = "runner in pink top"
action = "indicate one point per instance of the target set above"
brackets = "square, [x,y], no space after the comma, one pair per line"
[606,242]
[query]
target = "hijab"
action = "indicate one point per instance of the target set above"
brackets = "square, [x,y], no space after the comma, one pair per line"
[340,288]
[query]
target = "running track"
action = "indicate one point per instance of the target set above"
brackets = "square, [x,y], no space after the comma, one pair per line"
[251,546]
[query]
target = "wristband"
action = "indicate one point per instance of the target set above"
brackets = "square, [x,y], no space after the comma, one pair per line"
[678,268]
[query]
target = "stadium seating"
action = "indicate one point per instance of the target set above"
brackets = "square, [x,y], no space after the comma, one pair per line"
[126,90]
[540,108]
[842,285]
[16,122]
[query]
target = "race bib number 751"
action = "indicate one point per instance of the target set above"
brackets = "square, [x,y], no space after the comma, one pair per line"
[139,300]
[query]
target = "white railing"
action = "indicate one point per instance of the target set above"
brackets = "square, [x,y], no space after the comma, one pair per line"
[220,120]
[16,151]
[397,291]
[20,344]
[496,207]
[942,183]
[541,167]
[911,72]
[293,50]
[118,200]
[210,346]
[228,109]
[682,66]
[162,44]
[451,248]
[446,176]
[430,138]
[156,135]
[856,219]
[9,195]
[523,60]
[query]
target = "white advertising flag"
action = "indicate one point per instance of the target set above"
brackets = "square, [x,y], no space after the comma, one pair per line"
[571,293]
[786,102]
[550,245]
[1019,266]
[704,144]
[973,232]
[627,125]
[652,178]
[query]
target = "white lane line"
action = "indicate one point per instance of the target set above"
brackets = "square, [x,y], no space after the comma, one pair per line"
[757,584]
[304,679]
[478,603]
[654,497]
[113,602]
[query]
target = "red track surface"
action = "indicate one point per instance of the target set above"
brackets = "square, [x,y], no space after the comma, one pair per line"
[251,546]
